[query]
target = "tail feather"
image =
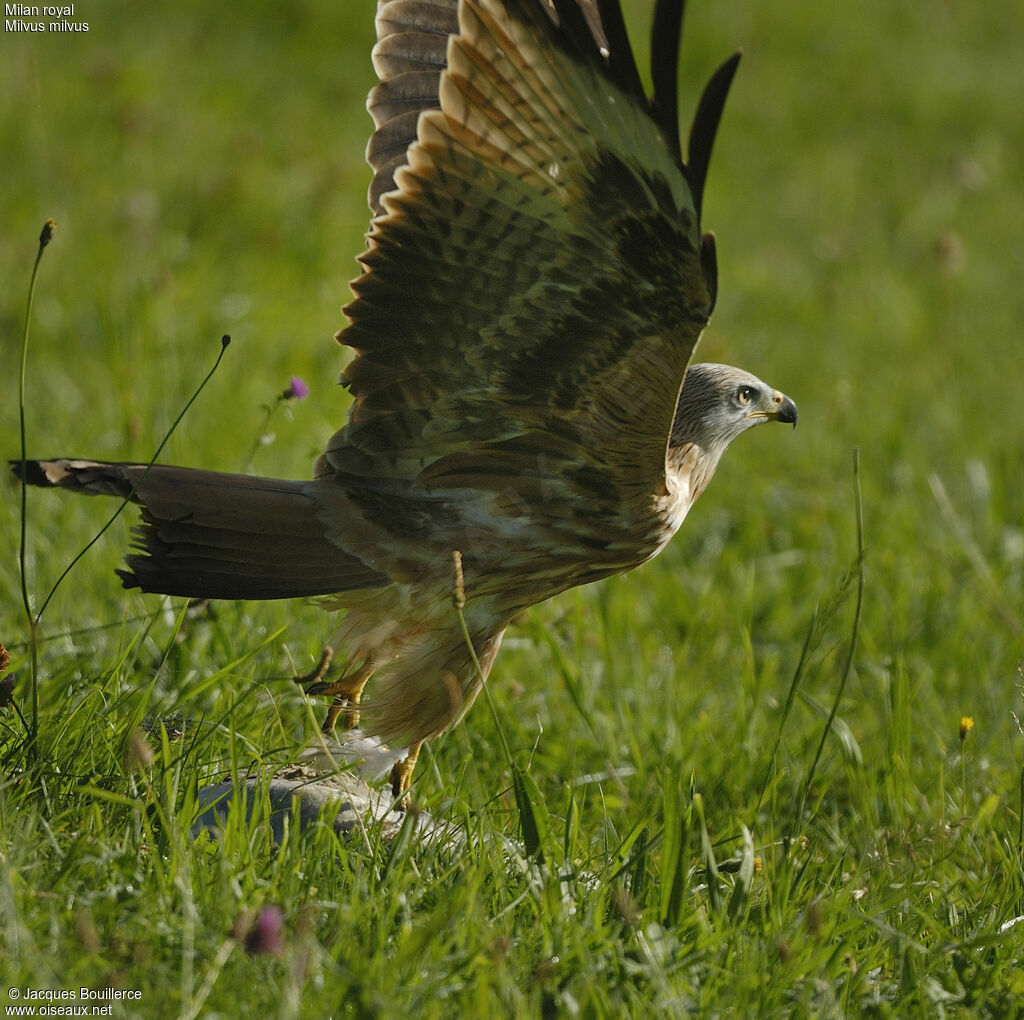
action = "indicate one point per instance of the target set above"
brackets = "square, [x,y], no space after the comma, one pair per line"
[212,535]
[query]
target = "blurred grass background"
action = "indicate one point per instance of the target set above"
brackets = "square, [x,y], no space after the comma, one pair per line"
[205,167]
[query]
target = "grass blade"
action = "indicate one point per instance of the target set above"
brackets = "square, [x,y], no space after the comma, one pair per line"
[854,635]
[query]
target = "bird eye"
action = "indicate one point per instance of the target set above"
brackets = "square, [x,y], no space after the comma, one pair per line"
[745,394]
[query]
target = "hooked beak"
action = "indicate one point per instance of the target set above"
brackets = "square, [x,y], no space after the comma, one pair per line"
[782,409]
[785,409]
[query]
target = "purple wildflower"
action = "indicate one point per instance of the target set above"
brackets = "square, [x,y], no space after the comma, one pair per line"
[297,389]
[266,934]
[7,684]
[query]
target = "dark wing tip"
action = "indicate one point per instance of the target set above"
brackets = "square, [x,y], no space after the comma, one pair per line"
[621,62]
[705,125]
[666,38]
[572,21]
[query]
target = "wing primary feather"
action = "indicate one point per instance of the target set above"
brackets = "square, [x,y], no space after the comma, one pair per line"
[705,124]
[573,25]
[412,42]
[621,61]
[709,264]
[666,36]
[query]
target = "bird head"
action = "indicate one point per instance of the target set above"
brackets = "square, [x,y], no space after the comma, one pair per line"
[718,402]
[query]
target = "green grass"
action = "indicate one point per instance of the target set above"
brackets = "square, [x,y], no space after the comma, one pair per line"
[205,169]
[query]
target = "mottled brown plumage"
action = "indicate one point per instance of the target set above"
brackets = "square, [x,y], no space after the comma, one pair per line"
[534,284]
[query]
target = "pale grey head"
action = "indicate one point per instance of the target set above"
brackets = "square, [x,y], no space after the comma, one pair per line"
[718,402]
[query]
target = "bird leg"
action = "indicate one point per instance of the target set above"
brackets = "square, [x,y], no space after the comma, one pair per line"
[401,775]
[346,691]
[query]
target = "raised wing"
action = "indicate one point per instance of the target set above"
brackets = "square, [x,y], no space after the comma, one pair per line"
[536,281]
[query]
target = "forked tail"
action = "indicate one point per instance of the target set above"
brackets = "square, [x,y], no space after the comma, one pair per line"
[211,535]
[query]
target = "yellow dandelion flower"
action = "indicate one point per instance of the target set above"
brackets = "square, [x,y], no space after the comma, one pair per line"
[966,725]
